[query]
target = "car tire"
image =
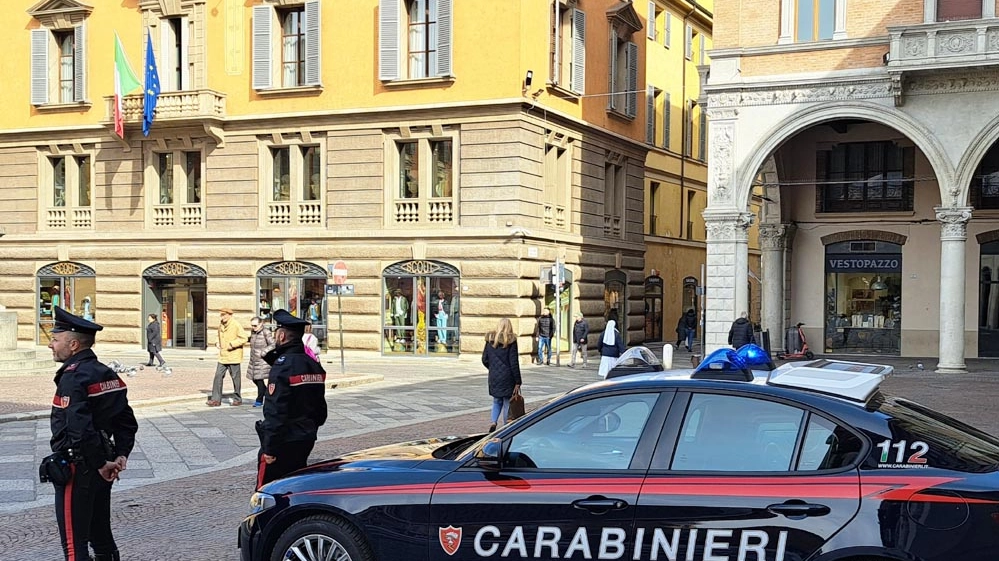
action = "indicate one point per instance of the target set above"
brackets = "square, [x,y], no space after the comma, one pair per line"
[314,537]
[809,355]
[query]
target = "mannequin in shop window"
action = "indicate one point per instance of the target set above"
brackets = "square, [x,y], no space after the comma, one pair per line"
[440,310]
[400,311]
[88,309]
[277,300]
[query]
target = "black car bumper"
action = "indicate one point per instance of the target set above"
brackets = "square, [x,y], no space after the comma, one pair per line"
[248,540]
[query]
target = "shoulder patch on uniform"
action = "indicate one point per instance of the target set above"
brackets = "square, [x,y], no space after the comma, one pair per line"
[270,388]
[60,401]
[115,384]
[280,360]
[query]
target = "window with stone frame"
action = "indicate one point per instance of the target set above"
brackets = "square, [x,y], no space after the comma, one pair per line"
[291,180]
[954,10]
[558,180]
[814,20]
[414,39]
[567,49]
[177,30]
[615,182]
[865,177]
[59,53]
[421,178]
[66,189]
[287,37]
[623,56]
[174,184]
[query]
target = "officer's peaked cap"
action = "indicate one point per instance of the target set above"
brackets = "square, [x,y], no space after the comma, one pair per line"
[65,321]
[284,319]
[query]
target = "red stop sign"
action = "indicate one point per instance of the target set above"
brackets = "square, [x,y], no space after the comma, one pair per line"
[339,272]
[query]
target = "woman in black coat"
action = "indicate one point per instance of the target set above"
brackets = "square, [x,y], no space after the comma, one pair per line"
[500,356]
[154,343]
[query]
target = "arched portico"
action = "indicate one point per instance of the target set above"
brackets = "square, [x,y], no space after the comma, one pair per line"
[740,158]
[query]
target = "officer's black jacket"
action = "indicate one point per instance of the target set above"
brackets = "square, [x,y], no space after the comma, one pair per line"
[91,398]
[295,406]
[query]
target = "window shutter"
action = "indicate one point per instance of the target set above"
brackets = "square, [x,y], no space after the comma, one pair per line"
[165,60]
[262,47]
[667,111]
[700,49]
[578,51]
[668,27]
[631,99]
[555,45]
[185,46]
[313,44]
[388,39]
[612,86]
[39,66]
[702,139]
[650,114]
[80,63]
[650,24]
[444,8]
[688,42]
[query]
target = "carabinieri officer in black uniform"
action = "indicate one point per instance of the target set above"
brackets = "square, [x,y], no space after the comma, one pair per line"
[93,432]
[295,405]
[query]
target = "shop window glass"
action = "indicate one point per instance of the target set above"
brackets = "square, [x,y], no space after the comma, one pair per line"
[863,305]
[299,288]
[421,309]
[69,286]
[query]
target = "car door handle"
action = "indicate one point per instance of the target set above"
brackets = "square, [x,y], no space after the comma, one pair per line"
[796,509]
[600,505]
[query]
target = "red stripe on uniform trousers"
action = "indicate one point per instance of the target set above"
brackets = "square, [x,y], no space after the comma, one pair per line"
[299,379]
[107,386]
[67,513]
[260,471]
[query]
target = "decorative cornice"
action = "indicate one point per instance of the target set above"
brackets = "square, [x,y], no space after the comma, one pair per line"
[60,14]
[728,226]
[721,144]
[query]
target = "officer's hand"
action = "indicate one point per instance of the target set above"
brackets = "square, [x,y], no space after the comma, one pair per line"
[268,459]
[109,471]
[121,462]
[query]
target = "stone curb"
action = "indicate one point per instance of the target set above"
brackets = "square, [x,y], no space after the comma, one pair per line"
[344,382]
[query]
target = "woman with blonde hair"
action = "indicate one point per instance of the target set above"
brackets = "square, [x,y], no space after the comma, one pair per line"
[500,356]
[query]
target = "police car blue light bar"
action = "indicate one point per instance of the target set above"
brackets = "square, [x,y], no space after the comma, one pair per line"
[723,364]
[755,357]
[855,381]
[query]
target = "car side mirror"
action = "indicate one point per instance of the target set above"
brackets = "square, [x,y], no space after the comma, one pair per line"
[490,455]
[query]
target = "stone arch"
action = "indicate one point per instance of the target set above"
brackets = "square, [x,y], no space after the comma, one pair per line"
[986,237]
[799,121]
[852,235]
[977,149]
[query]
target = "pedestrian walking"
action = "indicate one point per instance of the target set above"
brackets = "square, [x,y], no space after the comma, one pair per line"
[311,343]
[230,345]
[580,332]
[741,332]
[611,347]
[681,330]
[261,342]
[544,332]
[689,328]
[154,340]
[500,356]
[93,432]
[295,406]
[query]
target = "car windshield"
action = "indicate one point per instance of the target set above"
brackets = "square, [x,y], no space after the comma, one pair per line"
[951,444]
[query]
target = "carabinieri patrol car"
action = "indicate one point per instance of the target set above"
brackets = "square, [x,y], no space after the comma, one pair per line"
[810,461]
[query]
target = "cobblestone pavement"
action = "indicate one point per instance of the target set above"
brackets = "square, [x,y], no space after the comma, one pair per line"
[184,446]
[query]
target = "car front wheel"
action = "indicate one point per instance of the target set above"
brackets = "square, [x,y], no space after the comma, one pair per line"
[320,538]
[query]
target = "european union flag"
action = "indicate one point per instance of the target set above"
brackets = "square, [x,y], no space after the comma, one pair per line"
[152,88]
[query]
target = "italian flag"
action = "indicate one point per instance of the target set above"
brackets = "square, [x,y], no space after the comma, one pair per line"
[124,83]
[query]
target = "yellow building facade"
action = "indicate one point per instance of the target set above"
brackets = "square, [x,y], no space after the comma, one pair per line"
[678,41]
[448,154]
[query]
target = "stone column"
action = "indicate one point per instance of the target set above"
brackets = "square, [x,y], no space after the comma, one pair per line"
[742,223]
[786,22]
[772,264]
[8,331]
[839,20]
[953,233]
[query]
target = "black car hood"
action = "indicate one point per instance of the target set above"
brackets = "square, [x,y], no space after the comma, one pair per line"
[401,454]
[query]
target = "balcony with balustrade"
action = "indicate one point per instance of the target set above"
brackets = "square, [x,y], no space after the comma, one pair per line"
[205,107]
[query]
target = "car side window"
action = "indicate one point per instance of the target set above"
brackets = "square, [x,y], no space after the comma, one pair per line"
[733,433]
[599,433]
[828,446]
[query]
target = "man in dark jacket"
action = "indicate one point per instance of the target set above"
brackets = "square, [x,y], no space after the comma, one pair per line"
[93,432]
[580,332]
[690,325]
[154,341]
[295,407]
[741,332]
[545,332]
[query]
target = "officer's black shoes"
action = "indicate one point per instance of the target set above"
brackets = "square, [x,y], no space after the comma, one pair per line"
[107,556]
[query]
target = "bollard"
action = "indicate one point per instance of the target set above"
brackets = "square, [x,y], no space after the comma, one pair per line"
[668,356]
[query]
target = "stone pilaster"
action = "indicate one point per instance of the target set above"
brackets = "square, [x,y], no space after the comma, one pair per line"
[953,234]
[726,278]
[772,245]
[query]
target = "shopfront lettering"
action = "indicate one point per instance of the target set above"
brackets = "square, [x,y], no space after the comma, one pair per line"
[873,263]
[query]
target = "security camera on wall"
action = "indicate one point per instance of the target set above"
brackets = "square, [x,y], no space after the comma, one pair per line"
[528,79]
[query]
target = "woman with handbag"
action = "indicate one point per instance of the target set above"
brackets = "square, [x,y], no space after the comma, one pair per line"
[500,356]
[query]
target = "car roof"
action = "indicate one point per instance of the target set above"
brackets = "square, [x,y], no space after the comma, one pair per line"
[845,380]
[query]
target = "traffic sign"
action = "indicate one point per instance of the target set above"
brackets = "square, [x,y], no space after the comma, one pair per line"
[340,289]
[339,272]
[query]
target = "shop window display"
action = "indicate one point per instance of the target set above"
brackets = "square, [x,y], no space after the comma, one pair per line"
[863,307]
[421,309]
[67,285]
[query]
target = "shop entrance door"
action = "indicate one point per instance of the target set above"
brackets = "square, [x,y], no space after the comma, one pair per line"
[180,304]
[988,301]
